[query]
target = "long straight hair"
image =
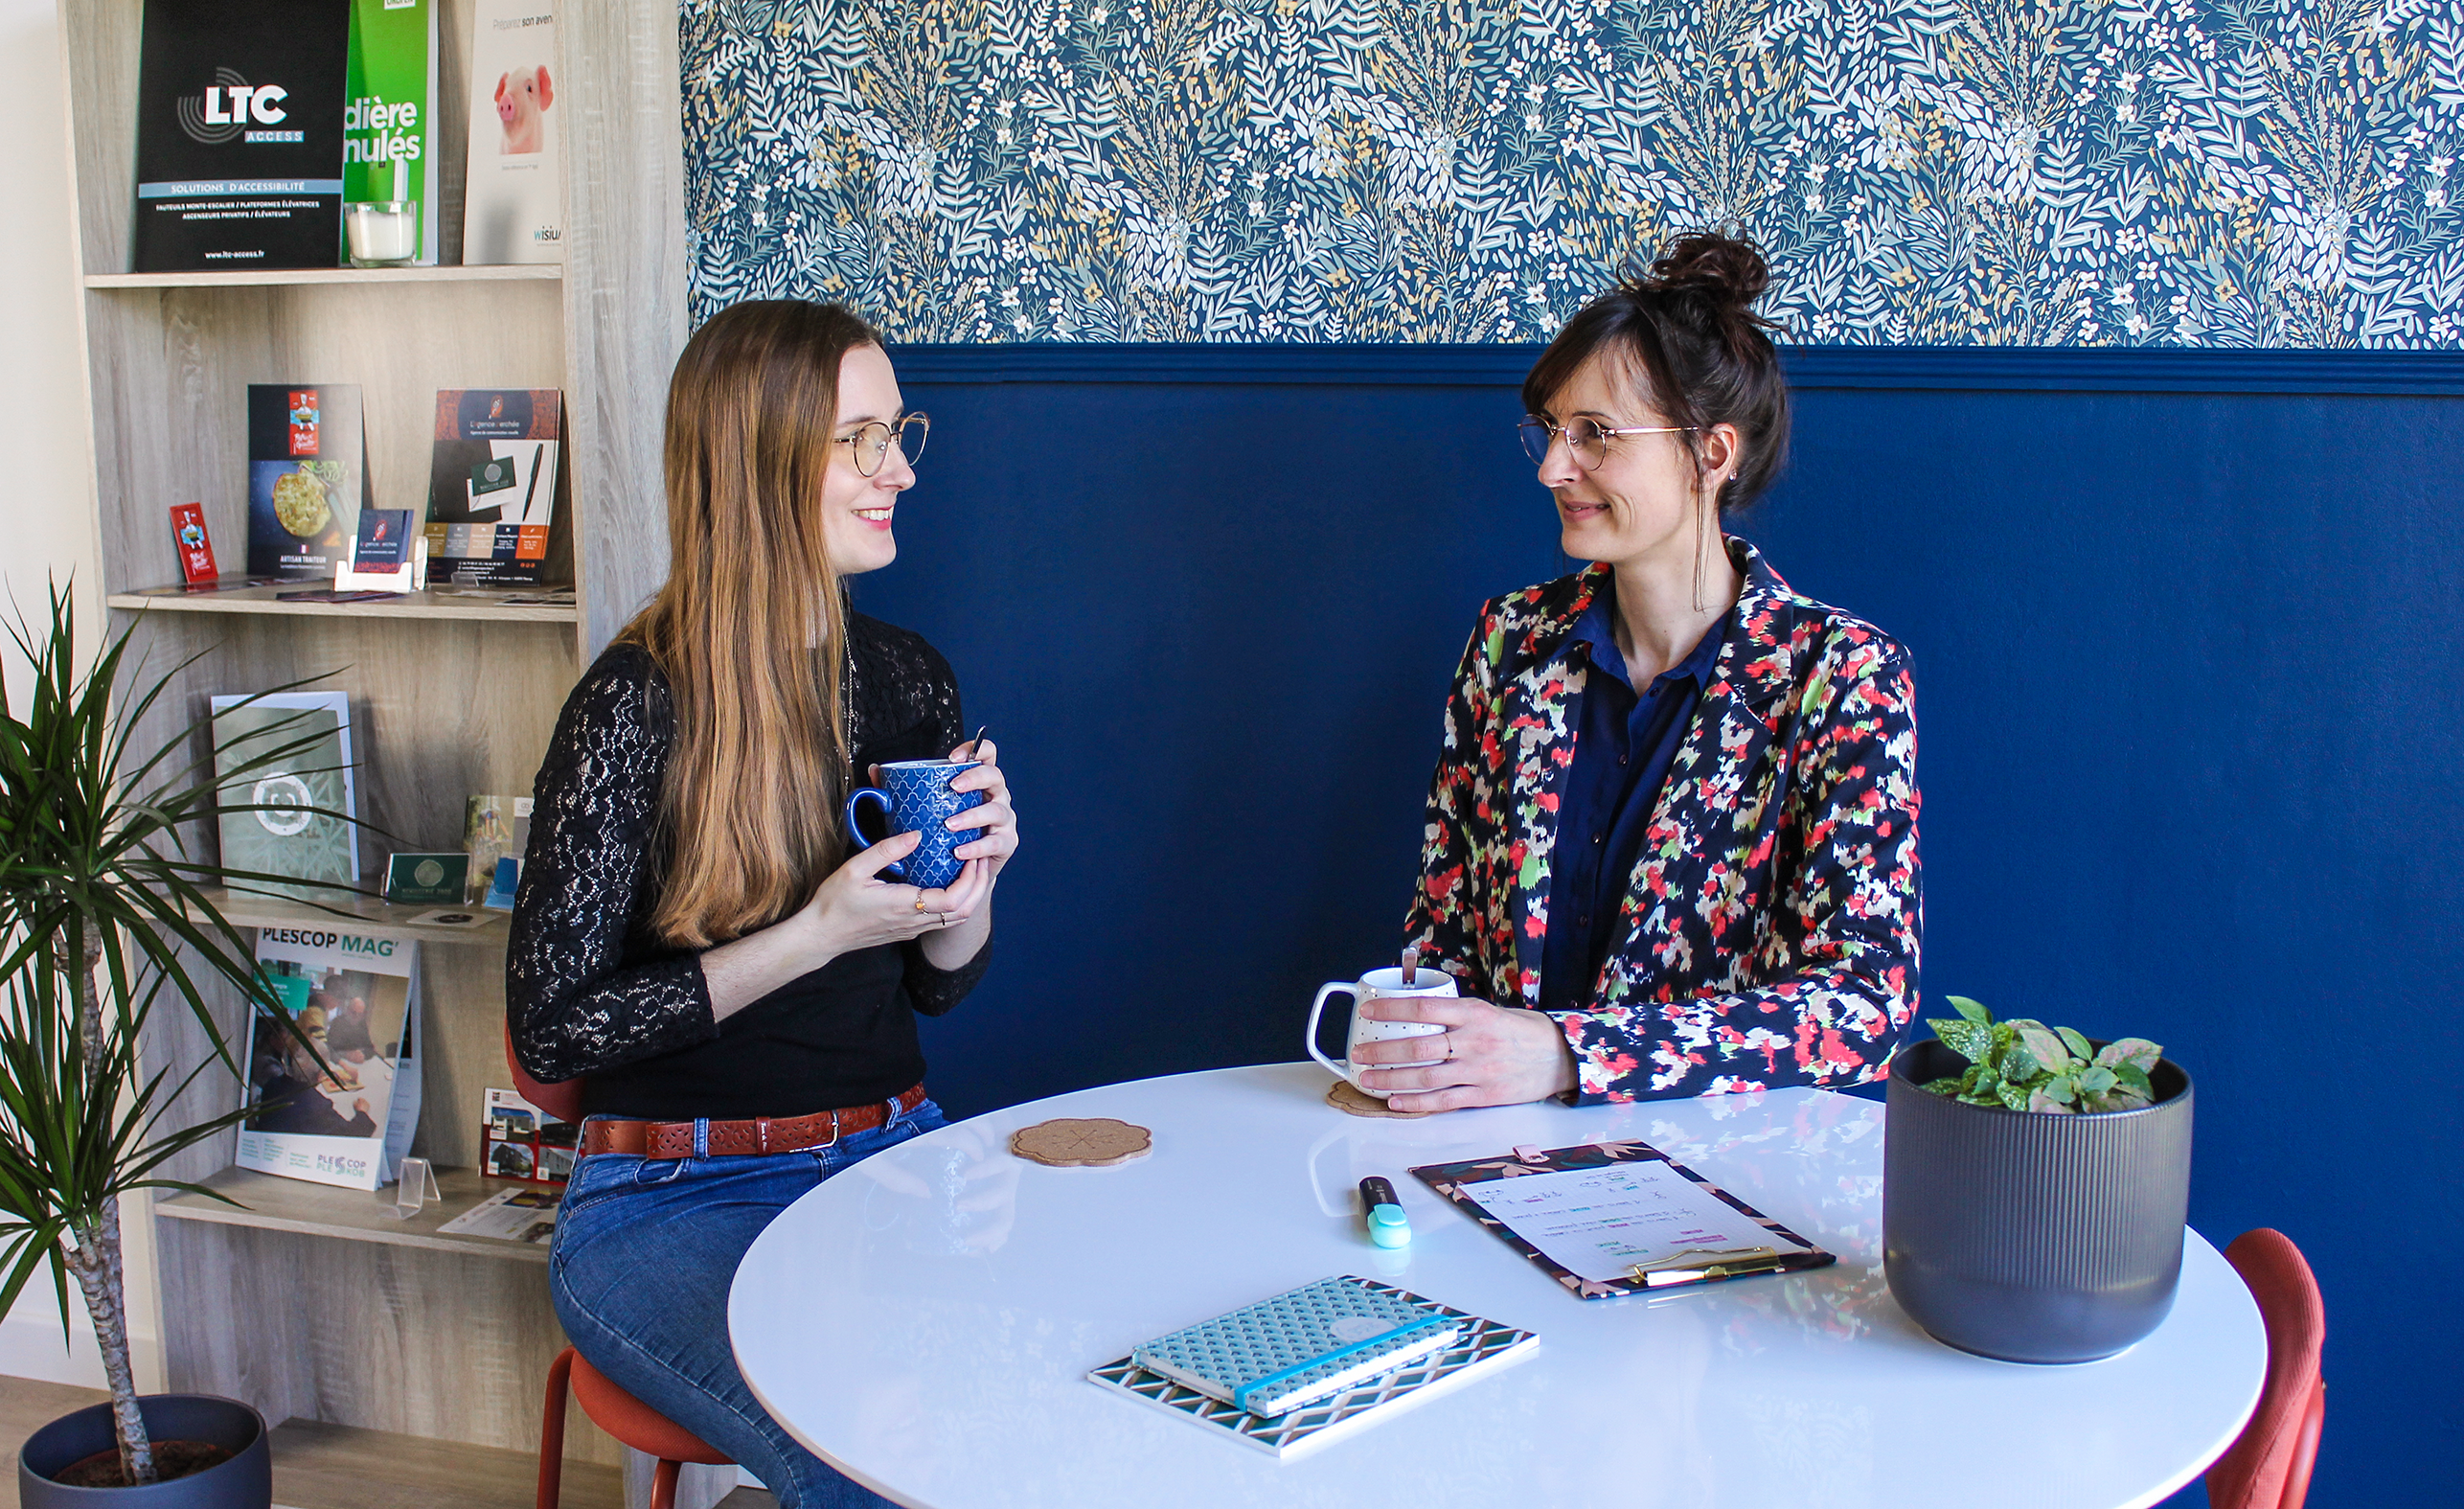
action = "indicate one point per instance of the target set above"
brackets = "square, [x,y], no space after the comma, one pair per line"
[750,628]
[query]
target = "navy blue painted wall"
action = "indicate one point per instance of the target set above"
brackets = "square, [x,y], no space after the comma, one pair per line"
[2190,705]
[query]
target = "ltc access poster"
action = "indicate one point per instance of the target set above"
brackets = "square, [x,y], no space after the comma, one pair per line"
[240,134]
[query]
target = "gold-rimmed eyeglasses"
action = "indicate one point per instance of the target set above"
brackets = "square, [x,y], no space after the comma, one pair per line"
[1588,439]
[870,445]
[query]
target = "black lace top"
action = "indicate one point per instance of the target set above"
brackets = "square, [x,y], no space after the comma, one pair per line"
[590,993]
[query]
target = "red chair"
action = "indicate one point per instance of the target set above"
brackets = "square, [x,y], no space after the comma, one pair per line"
[612,1409]
[2269,1468]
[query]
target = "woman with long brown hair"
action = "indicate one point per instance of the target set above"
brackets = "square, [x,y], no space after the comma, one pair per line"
[693,938]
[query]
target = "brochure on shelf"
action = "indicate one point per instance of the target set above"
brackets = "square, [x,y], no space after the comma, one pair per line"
[512,204]
[240,134]
[296,812]
[389,162]
[492,480]
[512,1215]
[308,477]
[518,1140]
[333,1093]
[495,828]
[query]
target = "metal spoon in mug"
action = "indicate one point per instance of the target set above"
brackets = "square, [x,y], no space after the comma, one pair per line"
[975,745]
[1411,966]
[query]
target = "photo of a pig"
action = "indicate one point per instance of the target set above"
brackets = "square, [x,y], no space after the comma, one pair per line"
[521,95]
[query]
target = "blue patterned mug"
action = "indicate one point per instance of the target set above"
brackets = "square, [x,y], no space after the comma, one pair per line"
[916,796]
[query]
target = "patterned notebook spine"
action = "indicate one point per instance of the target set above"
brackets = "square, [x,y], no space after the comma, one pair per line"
[1307,1383]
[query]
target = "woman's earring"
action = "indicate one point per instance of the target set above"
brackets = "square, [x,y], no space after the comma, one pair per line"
[1700,515]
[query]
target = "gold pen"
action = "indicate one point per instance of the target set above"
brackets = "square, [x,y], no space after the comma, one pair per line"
[1724,1263]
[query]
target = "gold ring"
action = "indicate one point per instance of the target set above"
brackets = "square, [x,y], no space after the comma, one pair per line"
[920,905]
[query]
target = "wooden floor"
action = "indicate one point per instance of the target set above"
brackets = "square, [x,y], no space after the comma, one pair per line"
[337,1467]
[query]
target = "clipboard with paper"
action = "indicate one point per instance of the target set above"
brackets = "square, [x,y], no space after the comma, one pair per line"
[1619,1218]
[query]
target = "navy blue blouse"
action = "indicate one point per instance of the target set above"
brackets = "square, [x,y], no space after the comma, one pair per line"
[1623,745]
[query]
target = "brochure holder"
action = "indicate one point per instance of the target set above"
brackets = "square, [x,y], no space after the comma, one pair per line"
[417,1186]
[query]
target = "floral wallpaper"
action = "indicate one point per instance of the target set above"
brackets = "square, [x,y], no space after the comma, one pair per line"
[2194,172]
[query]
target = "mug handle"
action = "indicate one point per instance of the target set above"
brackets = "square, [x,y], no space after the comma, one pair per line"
[855,800]
[1341,1071]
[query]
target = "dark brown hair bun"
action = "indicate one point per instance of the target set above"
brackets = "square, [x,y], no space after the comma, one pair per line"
[1731,272]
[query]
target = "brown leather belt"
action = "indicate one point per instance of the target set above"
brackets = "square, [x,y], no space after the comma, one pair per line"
[762,1135]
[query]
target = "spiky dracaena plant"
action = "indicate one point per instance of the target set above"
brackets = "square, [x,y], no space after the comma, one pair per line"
[105,915]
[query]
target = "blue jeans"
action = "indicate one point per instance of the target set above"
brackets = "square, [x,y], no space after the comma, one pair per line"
[644,1252]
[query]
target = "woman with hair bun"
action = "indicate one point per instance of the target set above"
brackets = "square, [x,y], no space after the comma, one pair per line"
[1671,846]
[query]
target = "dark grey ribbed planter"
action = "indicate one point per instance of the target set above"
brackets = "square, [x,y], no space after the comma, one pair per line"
[2031,1236]
[244,1482]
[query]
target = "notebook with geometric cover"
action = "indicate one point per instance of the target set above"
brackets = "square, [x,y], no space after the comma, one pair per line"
[1299,1346]
[1476,1346]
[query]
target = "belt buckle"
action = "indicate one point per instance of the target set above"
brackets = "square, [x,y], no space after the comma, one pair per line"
[820,1147]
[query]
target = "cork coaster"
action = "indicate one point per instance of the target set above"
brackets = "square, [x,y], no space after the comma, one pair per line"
[1344,1098]
[1069,1143]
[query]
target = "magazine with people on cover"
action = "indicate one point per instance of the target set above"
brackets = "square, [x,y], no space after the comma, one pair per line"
[333,1087]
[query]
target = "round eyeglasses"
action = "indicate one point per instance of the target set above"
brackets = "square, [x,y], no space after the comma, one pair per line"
[871,442]
[1588,439]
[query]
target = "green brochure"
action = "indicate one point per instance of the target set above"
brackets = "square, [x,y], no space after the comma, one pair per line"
[283,764]
[389,134]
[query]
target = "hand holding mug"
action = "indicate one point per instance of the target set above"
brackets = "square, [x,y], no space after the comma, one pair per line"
[1366,1029]
[993,821]
[958,809]
[857,907]
[1485,1055]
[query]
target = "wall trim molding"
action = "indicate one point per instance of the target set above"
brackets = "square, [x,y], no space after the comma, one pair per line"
[2098,368]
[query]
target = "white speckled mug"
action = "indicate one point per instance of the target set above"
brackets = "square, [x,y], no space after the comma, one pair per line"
[1429,981]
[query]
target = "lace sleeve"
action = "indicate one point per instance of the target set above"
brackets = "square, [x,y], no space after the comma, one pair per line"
[935,991]
[574,1001]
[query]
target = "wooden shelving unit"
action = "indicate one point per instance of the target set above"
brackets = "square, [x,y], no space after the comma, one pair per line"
[271,277]
[311,1302]
[269,1203]
[378,919]
[471,608]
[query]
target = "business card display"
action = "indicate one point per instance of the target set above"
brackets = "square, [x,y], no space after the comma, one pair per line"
[194,546]
[426,879]
[240,134]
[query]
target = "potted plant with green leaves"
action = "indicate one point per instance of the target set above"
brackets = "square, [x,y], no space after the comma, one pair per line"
[2035,1182]
[106,917]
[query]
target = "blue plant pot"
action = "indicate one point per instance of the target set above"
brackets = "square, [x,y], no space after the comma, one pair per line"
[246,1481]
[2032,1236]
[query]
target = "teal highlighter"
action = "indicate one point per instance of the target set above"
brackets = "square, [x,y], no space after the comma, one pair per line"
[1389,1226]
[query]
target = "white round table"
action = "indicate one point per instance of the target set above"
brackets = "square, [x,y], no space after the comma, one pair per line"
[924,1322]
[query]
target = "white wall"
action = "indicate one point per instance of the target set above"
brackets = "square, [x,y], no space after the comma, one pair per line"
[47,530]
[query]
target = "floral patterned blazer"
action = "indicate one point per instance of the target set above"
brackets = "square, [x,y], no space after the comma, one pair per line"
[1770,931]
